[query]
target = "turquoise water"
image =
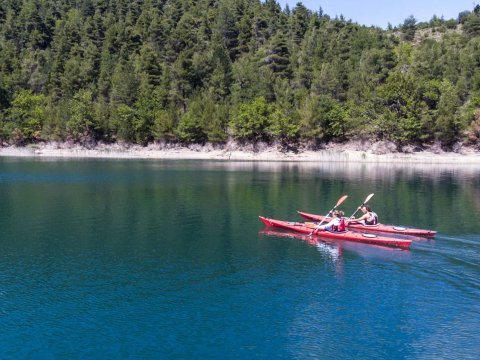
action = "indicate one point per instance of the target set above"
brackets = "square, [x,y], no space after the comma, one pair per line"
[167,259]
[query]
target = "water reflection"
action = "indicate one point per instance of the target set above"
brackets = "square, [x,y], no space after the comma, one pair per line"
[443,197]
[336,250]
[336,168]
[350,169]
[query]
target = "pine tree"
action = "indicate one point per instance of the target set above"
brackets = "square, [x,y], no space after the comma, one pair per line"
[278,56]
[448,125]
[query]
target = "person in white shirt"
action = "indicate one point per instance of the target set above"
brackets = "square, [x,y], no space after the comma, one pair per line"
[335,224]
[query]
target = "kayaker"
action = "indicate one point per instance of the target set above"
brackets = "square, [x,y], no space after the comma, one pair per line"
[369,217]
[337,223]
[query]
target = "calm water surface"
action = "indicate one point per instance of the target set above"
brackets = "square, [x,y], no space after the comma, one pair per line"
[167,259]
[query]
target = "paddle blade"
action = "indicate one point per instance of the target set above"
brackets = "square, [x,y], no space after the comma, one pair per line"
[341,200]
[368,198]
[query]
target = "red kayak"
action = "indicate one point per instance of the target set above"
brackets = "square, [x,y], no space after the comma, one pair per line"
[379,227]
[308,228]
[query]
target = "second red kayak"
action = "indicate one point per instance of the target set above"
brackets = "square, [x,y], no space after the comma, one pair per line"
[309,228]
[379,227]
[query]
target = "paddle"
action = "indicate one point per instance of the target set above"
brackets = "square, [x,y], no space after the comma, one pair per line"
[341,200]
[367,199]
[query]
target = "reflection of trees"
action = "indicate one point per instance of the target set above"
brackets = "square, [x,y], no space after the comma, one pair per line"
[439,197]
[217,199]
[472,195]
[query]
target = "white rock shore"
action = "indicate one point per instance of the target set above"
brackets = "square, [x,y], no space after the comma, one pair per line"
[352,153]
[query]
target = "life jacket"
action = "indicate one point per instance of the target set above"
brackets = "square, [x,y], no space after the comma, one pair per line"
[374,221]
[340,227]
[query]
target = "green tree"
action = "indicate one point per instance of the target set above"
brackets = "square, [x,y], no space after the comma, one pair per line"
[278,57]
[125,123]
[226,27]
[306,58]
[299,21]
[327,79]
[190,128]
[35,32]
[125,83]
[406,112]
[311,119]
[204,121]
[471,24]
[81,124]
[4,98]
[25,117]
[217,127]
[448,125]
[145,108]
[252,120]
[149,66]
[164,124]
[286,129]
[251,81]
[323,119]
[408,28]
[221,77]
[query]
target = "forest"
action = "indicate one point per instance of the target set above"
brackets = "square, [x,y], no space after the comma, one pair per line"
[207,71]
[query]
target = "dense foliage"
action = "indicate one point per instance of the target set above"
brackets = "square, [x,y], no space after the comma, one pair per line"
[194,71]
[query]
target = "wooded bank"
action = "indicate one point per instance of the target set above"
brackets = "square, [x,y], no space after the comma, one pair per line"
[196,71]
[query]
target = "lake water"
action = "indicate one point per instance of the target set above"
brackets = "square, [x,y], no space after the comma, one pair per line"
[167,259]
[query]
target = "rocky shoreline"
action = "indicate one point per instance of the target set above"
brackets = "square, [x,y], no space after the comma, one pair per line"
[350,152]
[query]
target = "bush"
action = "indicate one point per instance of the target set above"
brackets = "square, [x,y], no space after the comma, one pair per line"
[252,120]
[25,117]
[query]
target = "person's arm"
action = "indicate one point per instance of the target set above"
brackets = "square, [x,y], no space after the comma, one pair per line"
[330,223]
[363,217]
